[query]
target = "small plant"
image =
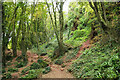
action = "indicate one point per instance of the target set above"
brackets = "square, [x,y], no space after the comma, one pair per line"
[63,65]
[25,70]
[19,58]
[42,63]
[35,66]
[3,70]
[12,69]
[33,74]
[69,70]
[39,60]
[7,76]
[21,64]
[9,63]
[59,62]
[46,70]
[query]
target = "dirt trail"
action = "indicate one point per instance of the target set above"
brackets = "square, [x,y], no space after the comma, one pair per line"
[56,69]
[57,72]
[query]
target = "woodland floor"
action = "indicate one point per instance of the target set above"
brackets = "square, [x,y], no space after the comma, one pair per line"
[56,70]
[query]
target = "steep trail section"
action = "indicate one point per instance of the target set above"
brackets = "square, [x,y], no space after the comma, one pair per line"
[84,46]
[57,72]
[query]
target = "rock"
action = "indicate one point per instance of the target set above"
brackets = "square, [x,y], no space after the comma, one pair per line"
[27,72]
[62,69]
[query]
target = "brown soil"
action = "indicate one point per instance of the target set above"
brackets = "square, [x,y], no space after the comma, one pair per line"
[58,72]
[32,57]
[84,46]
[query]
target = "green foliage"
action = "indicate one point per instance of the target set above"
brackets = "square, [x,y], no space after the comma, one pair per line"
[7,76]
[3,70]
[19,58]
[21,64]
[63,65]
[35,66]
[59,62]
[33,74]
[25,70]
[42,63]
[72,53]
[9,57]
[103,62]
[12,69]
[46,70]
[9,63]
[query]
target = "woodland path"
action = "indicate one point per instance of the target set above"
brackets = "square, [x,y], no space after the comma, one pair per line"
[57,72]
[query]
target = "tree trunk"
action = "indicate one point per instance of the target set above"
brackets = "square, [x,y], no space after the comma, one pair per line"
[3,41]
[14,42]
[23,41]
[61,22]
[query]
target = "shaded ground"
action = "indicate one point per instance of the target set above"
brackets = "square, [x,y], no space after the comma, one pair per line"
[32,57]
[57,72]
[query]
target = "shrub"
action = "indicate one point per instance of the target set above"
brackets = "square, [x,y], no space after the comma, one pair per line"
[42,63]
[25,70]
[12,69]
[103,62]
[19,58]
[33,74]
[46,70]
[9,63]
[59,62]
[21,64]
[63,65]
[3,70]
[35,66]
[7,76]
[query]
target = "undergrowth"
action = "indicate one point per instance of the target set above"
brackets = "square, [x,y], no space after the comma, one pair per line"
[101,61]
